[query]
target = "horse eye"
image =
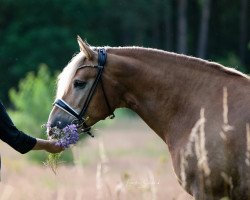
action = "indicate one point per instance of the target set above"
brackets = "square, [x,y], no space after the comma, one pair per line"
[79,84]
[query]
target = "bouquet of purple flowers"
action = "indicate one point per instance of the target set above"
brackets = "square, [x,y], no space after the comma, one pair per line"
[66,136]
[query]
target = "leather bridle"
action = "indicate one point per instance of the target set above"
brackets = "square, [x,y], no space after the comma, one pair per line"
[81,121]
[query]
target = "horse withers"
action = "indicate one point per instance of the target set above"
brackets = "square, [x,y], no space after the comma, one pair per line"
[200,109]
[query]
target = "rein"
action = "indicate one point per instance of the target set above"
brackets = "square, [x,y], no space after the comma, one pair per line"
[60,103]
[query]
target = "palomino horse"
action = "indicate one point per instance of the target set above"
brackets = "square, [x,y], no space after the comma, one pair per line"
[200,109]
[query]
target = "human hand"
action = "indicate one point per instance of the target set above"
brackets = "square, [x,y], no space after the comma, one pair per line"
[47,145]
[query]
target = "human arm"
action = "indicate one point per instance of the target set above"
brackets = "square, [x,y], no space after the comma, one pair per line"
[20,141]
[47,145]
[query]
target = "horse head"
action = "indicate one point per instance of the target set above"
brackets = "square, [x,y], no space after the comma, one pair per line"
[82,98]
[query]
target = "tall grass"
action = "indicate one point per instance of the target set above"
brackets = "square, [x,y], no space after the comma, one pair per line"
[196,148]
[196,140]
[248,145]
[7,191]
[127,187]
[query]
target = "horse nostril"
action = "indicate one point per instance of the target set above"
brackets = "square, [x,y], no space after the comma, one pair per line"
[49,132]
[57,122]
[61,124]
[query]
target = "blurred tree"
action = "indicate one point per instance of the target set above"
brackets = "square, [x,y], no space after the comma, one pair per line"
[32,104]
[29,36]
[182,27]
[232,60]
[204,29]
[33,101]
[35,32]
[243,30]
[224,28]
[168,23]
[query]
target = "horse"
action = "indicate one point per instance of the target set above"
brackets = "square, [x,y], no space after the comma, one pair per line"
[200,109]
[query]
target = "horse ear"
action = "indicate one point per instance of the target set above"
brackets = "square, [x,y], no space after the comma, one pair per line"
[85,48]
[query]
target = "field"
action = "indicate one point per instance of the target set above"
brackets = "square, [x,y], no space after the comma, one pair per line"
[125,161]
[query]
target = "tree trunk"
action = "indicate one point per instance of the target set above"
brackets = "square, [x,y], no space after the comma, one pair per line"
[168,25]
[204,27]
[156,23]
[182,27]
[243,31]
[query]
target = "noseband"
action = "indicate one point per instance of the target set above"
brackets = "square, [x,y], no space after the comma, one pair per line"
[102,57]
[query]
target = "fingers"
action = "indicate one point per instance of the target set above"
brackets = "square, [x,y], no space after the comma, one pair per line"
[48,145]
[54,148]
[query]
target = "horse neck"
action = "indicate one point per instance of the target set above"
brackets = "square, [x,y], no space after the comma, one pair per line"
[159,86]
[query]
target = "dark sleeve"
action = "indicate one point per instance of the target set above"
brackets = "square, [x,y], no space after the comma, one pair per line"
[12,136]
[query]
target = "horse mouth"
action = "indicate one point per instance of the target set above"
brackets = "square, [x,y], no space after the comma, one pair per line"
[52,131]
[82,128]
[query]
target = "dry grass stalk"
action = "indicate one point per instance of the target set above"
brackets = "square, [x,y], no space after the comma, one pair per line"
[197,137]
[248,145]
[198,141]
[102,169]
[225,127]
[6,194]
[119,190]
[79,194]
[183,165]
[152,185]
[193,138]
[102,153]
[122,187]
[99,182]
[60,194]
[203,159]
[227,179]
[225,105]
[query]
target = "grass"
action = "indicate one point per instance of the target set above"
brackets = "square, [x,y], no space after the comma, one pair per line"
[148,150]
[101,168]
[196,148]
[124,177]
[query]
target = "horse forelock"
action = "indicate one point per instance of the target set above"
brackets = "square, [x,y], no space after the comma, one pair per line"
[65,77]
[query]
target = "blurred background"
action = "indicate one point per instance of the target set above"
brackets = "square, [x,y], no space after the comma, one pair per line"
[38,38]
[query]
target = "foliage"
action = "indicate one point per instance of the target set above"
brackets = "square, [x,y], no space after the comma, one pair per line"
[232,60]
[32,103]
[53,161]
[30,36]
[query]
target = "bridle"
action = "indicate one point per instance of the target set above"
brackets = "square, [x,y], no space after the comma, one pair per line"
[80,120]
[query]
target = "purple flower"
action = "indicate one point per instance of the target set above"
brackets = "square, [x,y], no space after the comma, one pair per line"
[69,135]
